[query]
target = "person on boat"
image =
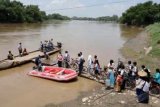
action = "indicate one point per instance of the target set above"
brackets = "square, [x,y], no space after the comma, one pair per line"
[10,55]
[25,52]
[142,87]
[60,59]
[59,44]
[80,64]
[46,46]
[41,46]
[89,63]
[156,76]
[66,59]
[50,45]
[20,49]
[38,62]
[46,56]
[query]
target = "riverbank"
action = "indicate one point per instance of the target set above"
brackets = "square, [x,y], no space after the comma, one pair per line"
[133,49]
[100,97]
[143,48]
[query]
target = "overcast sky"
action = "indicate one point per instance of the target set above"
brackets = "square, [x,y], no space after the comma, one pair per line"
[88,8]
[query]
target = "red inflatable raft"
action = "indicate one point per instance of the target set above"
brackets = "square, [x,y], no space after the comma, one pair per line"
[54,73]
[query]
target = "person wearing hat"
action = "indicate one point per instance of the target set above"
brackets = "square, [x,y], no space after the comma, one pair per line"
[142,87]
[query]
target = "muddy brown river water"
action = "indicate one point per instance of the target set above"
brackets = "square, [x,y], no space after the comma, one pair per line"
[96,38]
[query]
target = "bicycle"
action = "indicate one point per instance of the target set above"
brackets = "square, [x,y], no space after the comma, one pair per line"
[74,65]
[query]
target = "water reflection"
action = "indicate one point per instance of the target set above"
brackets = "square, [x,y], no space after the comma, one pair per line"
[128,32]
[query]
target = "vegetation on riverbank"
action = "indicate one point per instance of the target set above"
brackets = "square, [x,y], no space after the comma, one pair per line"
[142,14]
[154,32]
[103,18]
[16,12]
[134,50]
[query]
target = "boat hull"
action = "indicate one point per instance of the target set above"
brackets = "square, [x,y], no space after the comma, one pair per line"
[55,73]
[5,64]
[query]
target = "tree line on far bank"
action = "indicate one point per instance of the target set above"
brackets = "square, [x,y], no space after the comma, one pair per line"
[103,18]
[16,12]
[142,14]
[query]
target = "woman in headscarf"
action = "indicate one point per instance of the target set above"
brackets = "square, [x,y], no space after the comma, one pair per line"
[90,63]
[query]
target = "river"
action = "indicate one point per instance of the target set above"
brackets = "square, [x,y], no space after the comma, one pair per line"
[90,37]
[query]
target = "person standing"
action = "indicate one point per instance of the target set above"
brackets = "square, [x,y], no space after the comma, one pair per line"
[142,87]
[96,60]
[134,71]
[60,59]
[66,59]
[20,49]
[90,63]
[111,68]
[41,46]
[38,63]
[119,80]
[124,75]
[80,64]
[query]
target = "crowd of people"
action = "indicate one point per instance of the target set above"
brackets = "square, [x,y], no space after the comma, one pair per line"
[116,75]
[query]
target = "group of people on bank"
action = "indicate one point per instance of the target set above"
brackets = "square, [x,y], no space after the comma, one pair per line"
[22,52]
[67,60]
[116,75]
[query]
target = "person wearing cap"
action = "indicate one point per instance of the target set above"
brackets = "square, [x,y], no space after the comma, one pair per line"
[146,70]
[142,87]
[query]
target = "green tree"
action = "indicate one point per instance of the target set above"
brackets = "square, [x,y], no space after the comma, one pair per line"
[142,14]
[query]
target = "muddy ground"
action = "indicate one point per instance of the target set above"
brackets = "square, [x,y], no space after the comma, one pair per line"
[101,97]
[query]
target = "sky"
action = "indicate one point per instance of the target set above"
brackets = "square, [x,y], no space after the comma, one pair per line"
[85,8]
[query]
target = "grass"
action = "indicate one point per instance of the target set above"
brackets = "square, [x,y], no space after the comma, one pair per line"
[152,59]
[154,31]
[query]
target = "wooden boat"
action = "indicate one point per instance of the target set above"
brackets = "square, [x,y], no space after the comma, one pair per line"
[5,64]
[46,62]
[54,73]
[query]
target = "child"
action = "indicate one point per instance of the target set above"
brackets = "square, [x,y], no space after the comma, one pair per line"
[118,82]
